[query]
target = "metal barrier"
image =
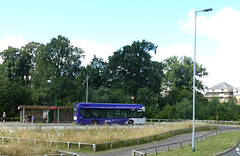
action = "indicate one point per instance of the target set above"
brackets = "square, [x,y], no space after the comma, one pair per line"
[10,119]
[148,139]
[181,143]
[166,120]
[135,153]
[67,153]
[50,142]
[184,120]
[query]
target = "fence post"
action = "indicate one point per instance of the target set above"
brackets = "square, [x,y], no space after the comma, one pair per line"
[94,147]
[68,145]
[168,147]
[2,139]
[51,143]
[18,140]
[156,149]
[181,144]
[133,153]
[79,146]
[111,144]
[34,142]
[138,140]
[125,141]
[148,138]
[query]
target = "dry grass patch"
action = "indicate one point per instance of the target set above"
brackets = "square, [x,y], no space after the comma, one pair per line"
[13,148]
[98,135]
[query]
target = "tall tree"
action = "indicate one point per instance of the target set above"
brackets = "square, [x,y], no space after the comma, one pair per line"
[13,94]
[62,58]
[183,109]
[102,95]
[33,49]
[96,73]
[155,77]
[16,65]
[129,67]
[179,73]
[57,61]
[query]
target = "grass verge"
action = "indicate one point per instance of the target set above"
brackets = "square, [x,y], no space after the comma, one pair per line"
[103,135]
[208,147]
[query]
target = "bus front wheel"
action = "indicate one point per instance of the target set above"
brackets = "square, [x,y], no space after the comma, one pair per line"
[94,122]
[130,122]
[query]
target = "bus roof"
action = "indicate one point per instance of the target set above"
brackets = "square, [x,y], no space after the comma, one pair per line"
[108,105]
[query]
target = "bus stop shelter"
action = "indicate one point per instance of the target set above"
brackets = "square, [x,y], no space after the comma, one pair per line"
[46,114]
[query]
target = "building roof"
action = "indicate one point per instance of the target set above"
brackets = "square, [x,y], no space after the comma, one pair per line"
[222,85]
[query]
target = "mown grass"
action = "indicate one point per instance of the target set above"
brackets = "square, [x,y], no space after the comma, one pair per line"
[208,147]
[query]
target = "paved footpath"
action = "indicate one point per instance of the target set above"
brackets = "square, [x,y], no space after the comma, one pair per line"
[128,150]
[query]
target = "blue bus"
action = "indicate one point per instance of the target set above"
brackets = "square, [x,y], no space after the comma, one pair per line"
[101,113]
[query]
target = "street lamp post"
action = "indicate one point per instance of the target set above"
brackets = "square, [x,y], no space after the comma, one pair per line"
[194,72]
[87,90]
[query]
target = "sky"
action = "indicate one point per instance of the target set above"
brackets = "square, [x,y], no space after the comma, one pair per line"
[101,27]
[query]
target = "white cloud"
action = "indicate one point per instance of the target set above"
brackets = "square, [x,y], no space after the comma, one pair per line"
[223,26]
[174,50]
[16,42]
[92,48]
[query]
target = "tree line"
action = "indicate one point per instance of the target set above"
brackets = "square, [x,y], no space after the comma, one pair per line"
[52,74]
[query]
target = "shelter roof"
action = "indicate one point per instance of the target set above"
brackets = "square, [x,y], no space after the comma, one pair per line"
[44,107]
[222,85]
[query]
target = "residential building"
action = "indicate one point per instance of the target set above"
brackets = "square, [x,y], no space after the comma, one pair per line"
[223,91]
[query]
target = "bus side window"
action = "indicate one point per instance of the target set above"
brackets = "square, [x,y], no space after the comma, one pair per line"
[87,114]
[83,111]
[109,113]
[133,113]
[95,113]
[123,113]
[117,113]
[103,113]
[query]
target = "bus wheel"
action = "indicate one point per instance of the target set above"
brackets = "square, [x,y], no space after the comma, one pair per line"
[130,122]
[94,122]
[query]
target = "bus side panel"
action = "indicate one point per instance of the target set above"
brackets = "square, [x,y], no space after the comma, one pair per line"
[87,121]
[137,120]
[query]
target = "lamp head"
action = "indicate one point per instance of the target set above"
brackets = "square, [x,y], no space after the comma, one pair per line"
[206,10]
